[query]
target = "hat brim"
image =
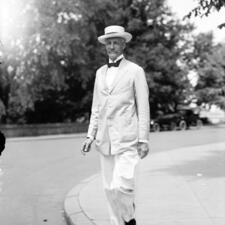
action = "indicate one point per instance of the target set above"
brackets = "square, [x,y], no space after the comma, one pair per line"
[126,36]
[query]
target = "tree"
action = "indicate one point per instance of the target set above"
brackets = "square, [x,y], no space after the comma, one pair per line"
[205,7]
[207,60]
[158,44]
[56,54]
[38,57]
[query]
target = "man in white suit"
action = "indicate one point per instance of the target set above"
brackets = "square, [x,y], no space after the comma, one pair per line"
[119,124]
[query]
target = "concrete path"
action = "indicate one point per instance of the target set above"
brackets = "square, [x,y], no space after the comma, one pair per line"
[37,174]
[185,186]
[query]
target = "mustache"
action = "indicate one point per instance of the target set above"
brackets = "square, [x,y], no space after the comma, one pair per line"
[111,51]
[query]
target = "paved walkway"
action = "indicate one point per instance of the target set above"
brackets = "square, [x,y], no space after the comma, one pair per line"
[179,187]
[37,174]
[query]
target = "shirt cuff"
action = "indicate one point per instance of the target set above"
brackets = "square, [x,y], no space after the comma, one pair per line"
[91,137]
[143,141]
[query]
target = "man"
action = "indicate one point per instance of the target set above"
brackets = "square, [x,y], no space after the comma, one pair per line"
[120,124]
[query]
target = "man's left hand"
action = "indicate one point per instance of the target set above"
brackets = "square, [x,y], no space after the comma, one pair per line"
[143,149]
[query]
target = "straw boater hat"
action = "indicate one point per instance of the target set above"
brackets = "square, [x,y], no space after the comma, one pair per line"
[115,31]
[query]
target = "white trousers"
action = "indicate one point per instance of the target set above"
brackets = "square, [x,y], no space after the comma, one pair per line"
[119,175]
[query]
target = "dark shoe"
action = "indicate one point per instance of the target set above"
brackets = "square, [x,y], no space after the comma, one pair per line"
[131,222]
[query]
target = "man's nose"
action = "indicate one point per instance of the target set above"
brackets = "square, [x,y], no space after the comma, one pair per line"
[112,45]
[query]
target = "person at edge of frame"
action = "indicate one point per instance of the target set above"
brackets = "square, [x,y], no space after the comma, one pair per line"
[2,142]
[2,136]
[119,124]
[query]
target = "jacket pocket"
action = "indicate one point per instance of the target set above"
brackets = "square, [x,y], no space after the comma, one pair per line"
[129,129]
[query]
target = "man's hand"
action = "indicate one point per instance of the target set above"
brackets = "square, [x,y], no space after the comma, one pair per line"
[86,146]
[143,149]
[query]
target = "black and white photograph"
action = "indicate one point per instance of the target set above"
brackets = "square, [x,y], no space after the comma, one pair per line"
[112,112]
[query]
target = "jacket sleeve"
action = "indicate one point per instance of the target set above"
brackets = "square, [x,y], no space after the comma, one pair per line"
[93,125]
[142,105]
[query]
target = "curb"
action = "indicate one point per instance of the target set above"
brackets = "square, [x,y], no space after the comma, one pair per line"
[46,137]
[73,212]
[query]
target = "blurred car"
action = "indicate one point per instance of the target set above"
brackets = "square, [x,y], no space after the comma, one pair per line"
[181,120]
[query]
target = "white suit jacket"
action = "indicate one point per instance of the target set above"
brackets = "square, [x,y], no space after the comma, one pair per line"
[120,115]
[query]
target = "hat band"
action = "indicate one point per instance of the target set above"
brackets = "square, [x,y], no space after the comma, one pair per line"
[113,33]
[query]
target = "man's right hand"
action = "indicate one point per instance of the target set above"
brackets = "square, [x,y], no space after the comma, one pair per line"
[86,146]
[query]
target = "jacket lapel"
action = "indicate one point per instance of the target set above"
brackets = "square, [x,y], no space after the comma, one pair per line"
[103,80]
[121,69]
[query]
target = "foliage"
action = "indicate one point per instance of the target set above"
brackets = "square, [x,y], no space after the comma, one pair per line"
[158,44]
[205,7]
[50,65]
[209,62]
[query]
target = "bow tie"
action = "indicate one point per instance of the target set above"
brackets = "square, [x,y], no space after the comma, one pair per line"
[115,64]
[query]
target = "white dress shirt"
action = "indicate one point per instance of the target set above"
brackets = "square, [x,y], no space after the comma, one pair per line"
[111,73]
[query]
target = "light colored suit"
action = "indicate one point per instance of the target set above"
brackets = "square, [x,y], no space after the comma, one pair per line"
[119,120]
[120,115]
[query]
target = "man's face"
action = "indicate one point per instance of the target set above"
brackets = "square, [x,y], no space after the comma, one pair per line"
[115,47]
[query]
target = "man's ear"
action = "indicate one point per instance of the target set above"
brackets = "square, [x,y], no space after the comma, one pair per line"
[124,44]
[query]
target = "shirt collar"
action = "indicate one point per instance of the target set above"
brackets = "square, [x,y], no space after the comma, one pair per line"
[118,58]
